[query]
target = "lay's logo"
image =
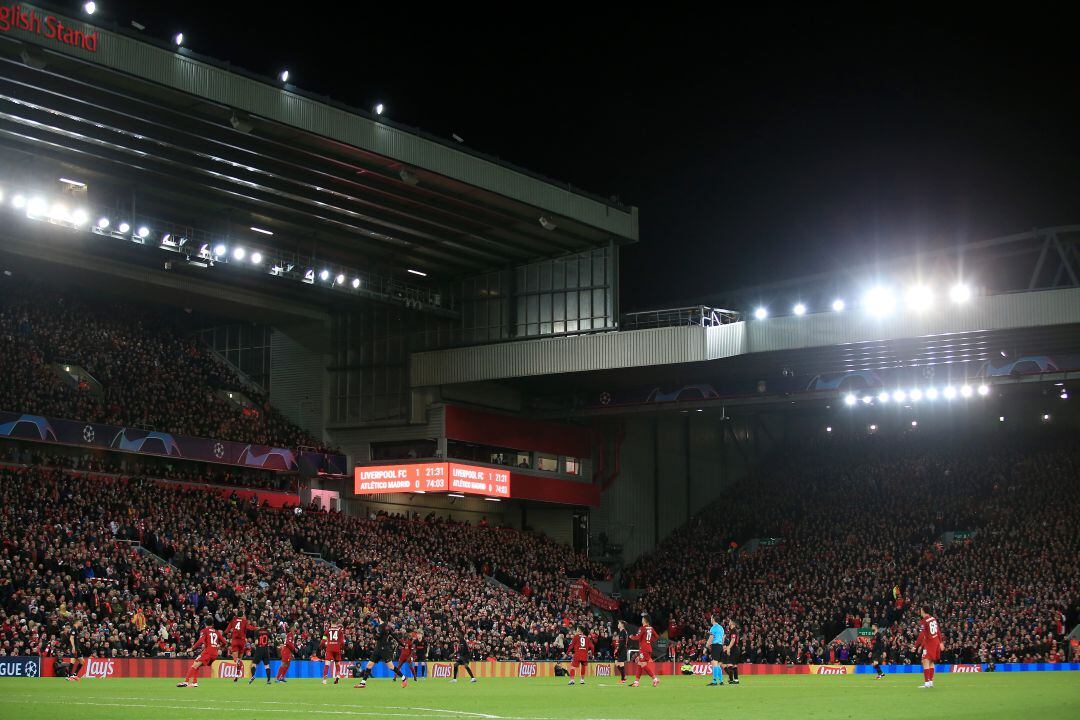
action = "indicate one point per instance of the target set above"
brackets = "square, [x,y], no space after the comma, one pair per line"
[442,670]
[99,668]
[527,669]
[229,671]
[603,671]
[832,670]
[967,668]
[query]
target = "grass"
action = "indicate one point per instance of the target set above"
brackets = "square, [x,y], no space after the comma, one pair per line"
[1040,696]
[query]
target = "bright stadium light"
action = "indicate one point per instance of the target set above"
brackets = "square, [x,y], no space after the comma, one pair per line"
[883,397]
[799,309]
[324,275]
[123,227]
[879,301]
[340,279]
[966,391]
[143,232]
[850,399]
[1046,417]
[914,423]
[931,393]
[873,428]
[90,8]
[1001,418]
[256,258]
[178,39]
[37,207]
[838,305]
[960,293]
[356,283]
[379,108]
[949,392]
[262,231]
[920,298]
[761,313]
[984,390]
[18,202]
[421,273]
[1064,394]
[916,395]
[899,396]
[220,250]
[283,76]
[866,399]
[828,429]
[80,217]
[103,223]
[239,253]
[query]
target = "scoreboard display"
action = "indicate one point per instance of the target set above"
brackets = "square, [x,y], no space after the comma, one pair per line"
[432,477]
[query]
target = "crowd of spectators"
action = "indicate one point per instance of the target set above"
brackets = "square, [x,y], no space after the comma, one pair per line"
[66,556]
[151,375]
[851,533]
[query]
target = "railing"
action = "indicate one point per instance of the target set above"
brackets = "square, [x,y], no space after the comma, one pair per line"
[673,317]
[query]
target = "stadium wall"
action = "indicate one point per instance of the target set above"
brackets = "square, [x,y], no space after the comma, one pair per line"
[297,375]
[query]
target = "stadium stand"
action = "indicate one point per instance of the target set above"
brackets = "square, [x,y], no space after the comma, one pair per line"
[860,528]
[76,544]
[152,375]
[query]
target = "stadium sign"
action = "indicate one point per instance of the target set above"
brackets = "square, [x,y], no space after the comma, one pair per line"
[602,670]
[527,669]
[829,669]
[441,670]
[967,668]
[434,477]
[20,667]
[50,27]
[99,668]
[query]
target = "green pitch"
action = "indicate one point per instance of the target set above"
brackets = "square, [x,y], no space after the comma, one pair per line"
[1040,696]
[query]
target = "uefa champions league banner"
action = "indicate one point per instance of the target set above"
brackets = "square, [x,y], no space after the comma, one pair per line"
[37,428]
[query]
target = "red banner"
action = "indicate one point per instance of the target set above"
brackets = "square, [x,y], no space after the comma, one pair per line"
[593,596]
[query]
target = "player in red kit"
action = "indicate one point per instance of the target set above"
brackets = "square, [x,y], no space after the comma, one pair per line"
[287,650]
[646,634]
[333,644]
[211,641]
[931,642]
[581,645]
[238,630]
[407,657]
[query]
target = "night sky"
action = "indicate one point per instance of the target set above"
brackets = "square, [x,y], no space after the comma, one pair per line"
[761,144]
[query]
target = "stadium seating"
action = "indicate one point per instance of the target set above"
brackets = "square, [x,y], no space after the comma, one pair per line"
[67,554]
[860,524]
[151,375]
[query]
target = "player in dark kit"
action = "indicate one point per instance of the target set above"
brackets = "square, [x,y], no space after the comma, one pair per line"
[732,653]
[73,646]
[261,654]
[621,645]
[462,659]
[421,654]
[384,653]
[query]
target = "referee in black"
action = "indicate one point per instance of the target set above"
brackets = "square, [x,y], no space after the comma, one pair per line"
[732,653]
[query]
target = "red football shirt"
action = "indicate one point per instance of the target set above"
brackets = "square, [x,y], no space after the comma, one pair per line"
[209,638]
[929,633]
[335,637]
[645,636]
[582,646]
[238,629]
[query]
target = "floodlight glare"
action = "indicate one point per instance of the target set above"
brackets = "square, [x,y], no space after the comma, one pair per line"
[239,253]
[324,275]
[219,250]
[966,391]
[79,217]
[850,399]
[178,39]
[103,223]
[284,76]
[799,309]
[920,298]
[124,227]
[949,392]
[960,293]
[879,301]
[90,8]
[256,258]
[761,313]
[18,202]
[931,393]
[828,429]
[984,390]
[916,395]
[36,207]
[838,305]
[883,397]
[143,232]
[899,396]
[866,399]
[356,283]
[340,279]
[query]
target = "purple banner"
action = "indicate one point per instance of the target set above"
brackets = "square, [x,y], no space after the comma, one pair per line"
[148,442]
